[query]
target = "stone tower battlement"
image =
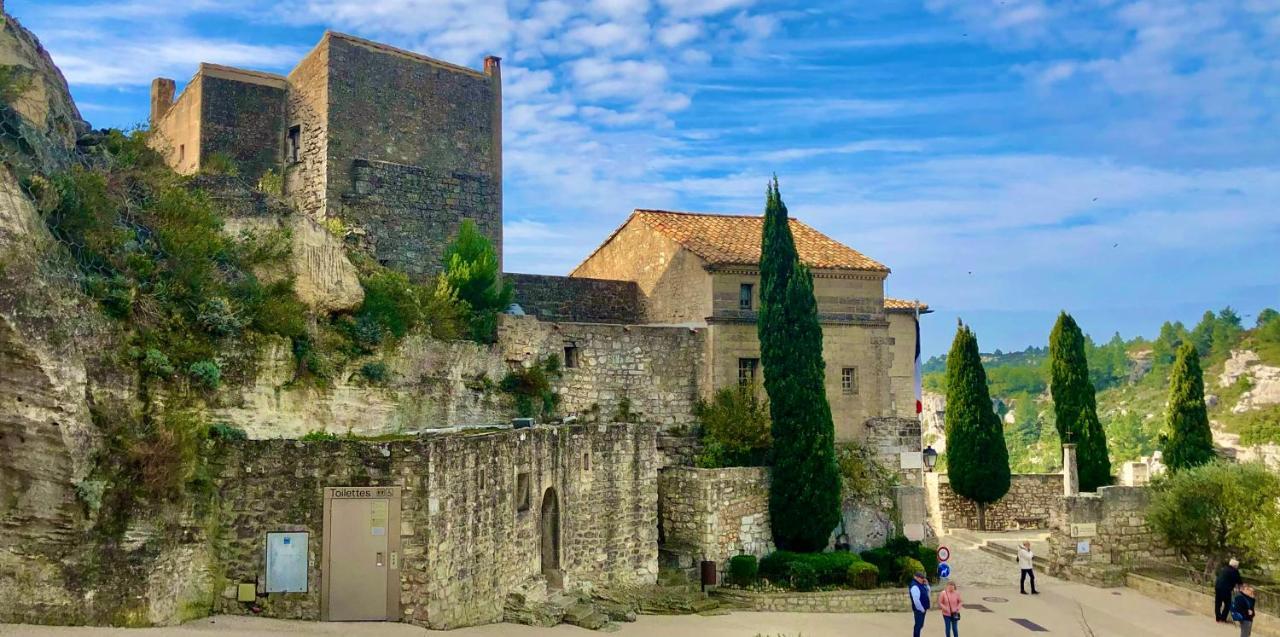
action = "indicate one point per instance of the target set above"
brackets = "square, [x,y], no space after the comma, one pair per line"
[398,146]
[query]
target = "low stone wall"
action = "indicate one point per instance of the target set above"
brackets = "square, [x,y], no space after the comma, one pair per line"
[1193,600]
[578,299]
[466,540]
[1113,523]
[881,600]
[1029,504]
[713,514]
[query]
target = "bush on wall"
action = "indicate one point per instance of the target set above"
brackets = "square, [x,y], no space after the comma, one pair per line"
[735,429]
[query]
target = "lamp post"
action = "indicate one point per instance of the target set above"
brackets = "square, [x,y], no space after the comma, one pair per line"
[930,457]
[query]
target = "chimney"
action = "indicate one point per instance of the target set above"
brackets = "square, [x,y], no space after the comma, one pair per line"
[161,97]
[492,64]
[1070,473]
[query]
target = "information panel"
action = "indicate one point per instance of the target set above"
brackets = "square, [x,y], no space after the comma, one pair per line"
[287,562]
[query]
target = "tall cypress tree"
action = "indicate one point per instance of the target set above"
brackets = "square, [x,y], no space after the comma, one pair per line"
[1190,443]
[804,498]
[977,459]
[1074,405]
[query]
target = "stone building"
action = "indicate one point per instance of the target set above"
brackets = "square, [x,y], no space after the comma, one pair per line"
[398,147]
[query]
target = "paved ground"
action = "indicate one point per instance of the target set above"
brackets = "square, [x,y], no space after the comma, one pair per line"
[1062,608]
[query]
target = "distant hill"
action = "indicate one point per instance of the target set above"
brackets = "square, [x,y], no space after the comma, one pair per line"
[1242,379]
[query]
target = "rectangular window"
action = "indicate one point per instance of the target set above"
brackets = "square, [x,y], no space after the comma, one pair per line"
[523,495]
[849,380]
[586,461]
[747,371]
[182,152]
[744,296]
[570,356]
[292,144]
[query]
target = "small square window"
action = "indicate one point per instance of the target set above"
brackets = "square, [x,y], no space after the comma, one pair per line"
[523,494]
[570,356]
[849,380]
[292,144]
[747,371]
[744,296]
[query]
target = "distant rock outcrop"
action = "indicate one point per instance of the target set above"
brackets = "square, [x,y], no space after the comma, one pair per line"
[1264,381]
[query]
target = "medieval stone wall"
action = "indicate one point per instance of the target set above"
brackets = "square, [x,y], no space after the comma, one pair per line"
[674,282]
[308,99]
[713,514]
[465,541]
[1030,504]
[678,450]
[655,371]
[411,142]
[243,121]
[1096,537]
[578,299]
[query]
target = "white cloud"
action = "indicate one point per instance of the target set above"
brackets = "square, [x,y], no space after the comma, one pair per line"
[698,8]
[117,62]
[674,35]
[603,77]
[611,37]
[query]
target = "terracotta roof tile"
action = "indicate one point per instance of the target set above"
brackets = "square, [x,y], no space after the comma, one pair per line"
[735,240]
[902,305]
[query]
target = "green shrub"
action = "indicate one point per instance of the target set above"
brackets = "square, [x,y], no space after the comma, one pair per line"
[206,373]
[531,387]
[1217,511]
[883,559]
[743,570]
[928,558]
[905,568]
[314,436]
[802,576]
[227,432]
[829,569]
[471,268]
[219,164]
[218,317]
[735,429]
[863,575]
[155,363]
[375,372]
[271,183]
[773,566]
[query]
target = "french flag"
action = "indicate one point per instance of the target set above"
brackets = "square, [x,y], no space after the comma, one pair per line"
[919,379]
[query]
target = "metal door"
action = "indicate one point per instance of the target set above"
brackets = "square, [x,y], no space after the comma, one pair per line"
[360,576]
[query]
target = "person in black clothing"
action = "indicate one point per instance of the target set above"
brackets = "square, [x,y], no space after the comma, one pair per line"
[1242,609]
[1228,581]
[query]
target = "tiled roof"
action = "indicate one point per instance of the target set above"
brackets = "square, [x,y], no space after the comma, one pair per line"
[735,240]
[902,305]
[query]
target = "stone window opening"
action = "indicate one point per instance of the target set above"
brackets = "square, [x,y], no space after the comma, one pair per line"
[586,462]
[744,296]
[747,371]
[570,355]
[292,143]
[182,152]
[524,496]
[849,380]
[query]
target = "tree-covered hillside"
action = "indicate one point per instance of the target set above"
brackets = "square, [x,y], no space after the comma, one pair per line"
[1132,378]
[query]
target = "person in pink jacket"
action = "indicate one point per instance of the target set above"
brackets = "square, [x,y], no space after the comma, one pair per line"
[949,603]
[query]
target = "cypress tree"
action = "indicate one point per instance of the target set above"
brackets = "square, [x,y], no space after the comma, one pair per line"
[1074,404]
[977,459]
[1190,443]
[804,498]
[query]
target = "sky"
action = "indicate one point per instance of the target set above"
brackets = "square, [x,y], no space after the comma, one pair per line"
[1008,159]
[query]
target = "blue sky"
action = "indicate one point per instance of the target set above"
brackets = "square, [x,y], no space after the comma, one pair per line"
[1007,158]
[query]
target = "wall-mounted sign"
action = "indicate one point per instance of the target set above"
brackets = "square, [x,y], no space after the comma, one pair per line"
[911,460]
[1082,547]
[286,563]
[364,492]
[1089,529]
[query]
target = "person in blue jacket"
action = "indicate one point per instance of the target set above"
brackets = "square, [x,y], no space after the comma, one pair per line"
[919,591]
[1242,609]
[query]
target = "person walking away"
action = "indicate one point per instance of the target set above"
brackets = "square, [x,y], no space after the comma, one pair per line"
[1242,609]
[1228,581]
[919,591]
[949,603]
[1026,562]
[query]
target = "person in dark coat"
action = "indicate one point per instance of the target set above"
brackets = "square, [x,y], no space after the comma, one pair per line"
[1242,609]
[1228,581]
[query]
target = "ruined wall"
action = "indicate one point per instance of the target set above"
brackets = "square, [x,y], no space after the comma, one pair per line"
[1029,504]
[465,544]
[674,281]
[177,135]
[656,369]
[713,514]
[307,108]
[1112,524]
[578,299]
[412,151]
[242,117]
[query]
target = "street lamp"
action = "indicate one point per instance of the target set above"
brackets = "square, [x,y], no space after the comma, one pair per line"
[930,457]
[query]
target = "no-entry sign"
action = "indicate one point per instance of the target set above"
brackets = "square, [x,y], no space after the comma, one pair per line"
[944,554]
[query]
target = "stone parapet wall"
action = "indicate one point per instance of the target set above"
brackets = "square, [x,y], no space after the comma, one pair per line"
[884,600]
[656,372]
[578,299]
[465,541]
[678,451]
[1029,504]
[714,514]
[889,438]
[1115,528]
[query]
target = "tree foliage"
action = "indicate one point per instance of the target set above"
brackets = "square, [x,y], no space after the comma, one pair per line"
[1219,510]
[735,428]
[1190,442]
[1075,405]
[471,268]
[977,459]
[804,501]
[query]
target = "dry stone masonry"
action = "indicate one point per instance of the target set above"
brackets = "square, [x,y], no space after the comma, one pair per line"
[713,514]
[1097,536]
[1029,504]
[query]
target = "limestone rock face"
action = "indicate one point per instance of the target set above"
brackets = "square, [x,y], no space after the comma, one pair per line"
[323,276]
[40,104]
[1264,381]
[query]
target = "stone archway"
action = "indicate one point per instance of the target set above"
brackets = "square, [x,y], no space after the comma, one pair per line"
[550,525]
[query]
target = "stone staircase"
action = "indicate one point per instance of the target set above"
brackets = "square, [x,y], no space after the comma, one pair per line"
[1003,548]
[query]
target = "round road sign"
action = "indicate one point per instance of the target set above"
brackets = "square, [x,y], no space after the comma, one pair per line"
[944,553]
[944,570]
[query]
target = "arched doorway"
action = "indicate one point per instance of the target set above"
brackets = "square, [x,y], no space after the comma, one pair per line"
[550,524]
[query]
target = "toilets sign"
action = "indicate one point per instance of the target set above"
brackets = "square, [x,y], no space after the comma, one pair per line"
[360,493]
